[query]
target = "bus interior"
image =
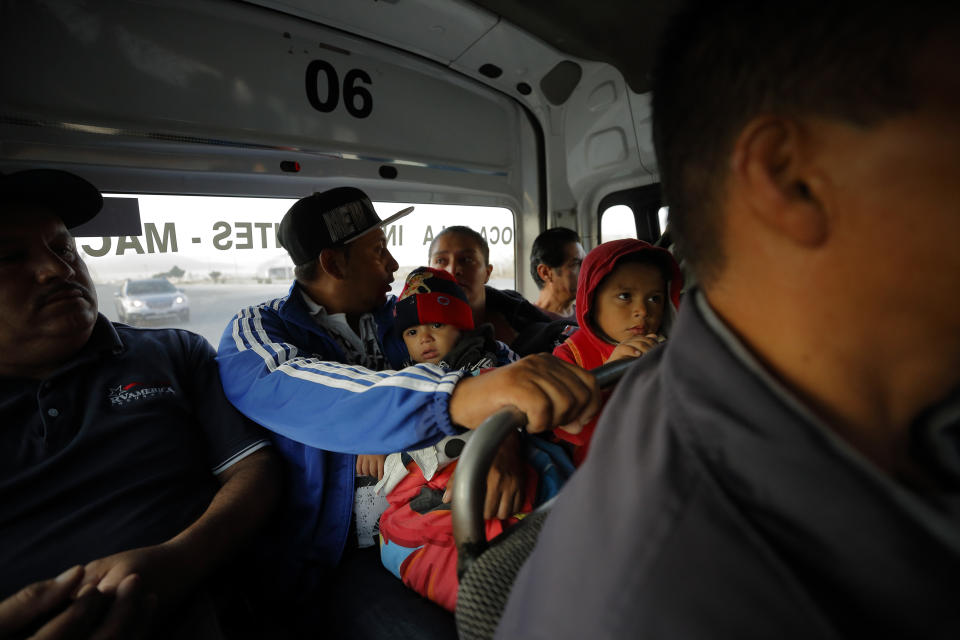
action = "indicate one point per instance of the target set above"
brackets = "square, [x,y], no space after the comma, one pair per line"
[202,122]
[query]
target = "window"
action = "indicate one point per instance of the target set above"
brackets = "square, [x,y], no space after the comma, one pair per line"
[199,259]
[663,214]
[617,222]
[632,213]
[410,242]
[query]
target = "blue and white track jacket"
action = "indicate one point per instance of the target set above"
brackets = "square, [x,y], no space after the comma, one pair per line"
[282,370]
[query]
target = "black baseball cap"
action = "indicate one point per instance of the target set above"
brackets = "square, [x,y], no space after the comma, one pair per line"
[329,219]
[69,196]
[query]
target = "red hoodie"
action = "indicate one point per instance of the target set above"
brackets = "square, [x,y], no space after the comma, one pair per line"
[587,349]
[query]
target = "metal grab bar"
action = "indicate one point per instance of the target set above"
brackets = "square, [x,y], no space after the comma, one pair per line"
[469,480]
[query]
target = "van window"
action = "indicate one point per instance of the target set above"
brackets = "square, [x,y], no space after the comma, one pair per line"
[617,222]
[663,214]
[632,213]
[199,259]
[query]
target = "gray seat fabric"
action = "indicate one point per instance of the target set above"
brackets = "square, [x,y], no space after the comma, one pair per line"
[485,587]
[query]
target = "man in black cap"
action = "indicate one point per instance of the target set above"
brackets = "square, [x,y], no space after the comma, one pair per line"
[122,465]
[317,368]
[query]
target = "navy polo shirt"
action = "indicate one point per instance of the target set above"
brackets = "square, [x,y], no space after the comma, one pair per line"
[117,449]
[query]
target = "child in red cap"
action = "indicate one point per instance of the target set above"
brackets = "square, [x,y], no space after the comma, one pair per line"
[436,323]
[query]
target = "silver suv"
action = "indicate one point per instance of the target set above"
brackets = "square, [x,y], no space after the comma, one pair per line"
[153,299]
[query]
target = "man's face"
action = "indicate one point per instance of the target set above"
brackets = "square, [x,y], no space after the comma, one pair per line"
[564,284]
[430,342]
[460,256]
[48,304]
[630,302]
[370,269]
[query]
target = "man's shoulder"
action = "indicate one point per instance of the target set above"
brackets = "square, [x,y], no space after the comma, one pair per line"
[653,540]
[277,312]
[167,339]
[279,305]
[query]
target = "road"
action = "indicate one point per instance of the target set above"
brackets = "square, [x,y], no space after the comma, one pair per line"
[211,305]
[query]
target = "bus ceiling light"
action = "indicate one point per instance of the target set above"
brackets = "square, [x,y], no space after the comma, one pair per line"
[290,166]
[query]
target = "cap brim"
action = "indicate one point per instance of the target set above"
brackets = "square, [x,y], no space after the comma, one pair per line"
[382,224]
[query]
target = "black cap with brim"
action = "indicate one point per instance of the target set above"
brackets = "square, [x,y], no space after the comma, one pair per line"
[67,195]
[329,219]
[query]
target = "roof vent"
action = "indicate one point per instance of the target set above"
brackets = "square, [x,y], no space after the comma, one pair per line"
[559,82]
[491,70]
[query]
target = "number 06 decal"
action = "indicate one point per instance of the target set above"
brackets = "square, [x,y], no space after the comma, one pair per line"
[356,99]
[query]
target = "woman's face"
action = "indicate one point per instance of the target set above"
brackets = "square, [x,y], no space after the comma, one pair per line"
[461,256]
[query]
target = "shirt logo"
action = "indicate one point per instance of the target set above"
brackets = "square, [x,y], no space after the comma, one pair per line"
[124,394]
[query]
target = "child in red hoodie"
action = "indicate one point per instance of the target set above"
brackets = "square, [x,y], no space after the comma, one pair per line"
[627,296]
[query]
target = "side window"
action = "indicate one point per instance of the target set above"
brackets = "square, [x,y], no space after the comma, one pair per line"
[663,216]
[410,240]
[632,213]
[617,222]
[199,259]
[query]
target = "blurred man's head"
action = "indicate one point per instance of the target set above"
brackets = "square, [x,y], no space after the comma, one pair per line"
[48,304]
[723,66]
[809,155]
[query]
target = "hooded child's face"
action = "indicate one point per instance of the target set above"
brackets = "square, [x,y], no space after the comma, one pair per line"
[630,301]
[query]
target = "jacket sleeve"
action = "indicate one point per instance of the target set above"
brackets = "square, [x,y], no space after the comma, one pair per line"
[505,355]
[329,405]
[563,352]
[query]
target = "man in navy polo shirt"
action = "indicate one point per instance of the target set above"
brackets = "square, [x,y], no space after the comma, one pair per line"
[118,449]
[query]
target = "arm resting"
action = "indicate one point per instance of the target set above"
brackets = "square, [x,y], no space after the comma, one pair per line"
[172,569]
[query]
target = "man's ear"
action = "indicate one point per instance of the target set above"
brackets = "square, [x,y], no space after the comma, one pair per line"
[333,263]
[489,271]
[545,272]
[778,182]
